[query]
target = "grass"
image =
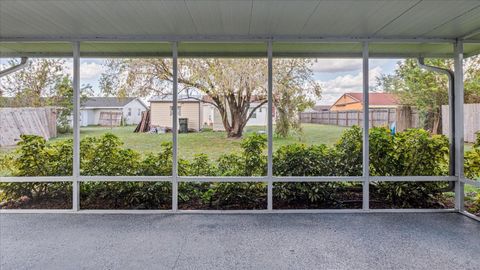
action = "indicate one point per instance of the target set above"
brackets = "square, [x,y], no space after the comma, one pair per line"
[213,143]
[210,142]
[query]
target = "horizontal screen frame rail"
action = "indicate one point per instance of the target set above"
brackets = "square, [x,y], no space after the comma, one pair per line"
[32,179]
[470,182]
[251,211]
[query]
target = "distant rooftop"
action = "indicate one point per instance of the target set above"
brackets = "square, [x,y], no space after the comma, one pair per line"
[377,99]
[320,108]
[181,98]
[107,102]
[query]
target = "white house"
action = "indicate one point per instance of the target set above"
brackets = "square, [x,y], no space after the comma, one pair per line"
[258,118]
[95,110]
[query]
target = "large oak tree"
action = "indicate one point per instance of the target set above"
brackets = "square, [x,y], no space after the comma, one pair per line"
[236,87]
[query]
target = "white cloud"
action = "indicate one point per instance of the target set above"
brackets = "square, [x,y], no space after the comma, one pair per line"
[334,88]
[337,65]
[90,70]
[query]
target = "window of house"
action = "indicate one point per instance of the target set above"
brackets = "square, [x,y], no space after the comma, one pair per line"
[179,111]
[139,112]
[129,111]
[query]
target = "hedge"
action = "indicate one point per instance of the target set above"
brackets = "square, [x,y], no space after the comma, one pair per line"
[408,153]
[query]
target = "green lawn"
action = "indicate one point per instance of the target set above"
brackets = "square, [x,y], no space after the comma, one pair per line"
[212,143]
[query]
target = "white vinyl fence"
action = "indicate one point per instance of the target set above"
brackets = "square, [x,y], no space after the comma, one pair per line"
[471,124]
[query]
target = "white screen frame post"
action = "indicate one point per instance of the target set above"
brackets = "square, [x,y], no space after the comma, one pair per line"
[175,127]
[459,125]
[366,125]
[270,127]
[76,127]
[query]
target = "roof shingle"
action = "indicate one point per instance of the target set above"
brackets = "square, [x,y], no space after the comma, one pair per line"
[377,99]
[106,102]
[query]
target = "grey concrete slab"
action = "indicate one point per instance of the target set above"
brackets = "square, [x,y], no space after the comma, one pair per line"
[257,241]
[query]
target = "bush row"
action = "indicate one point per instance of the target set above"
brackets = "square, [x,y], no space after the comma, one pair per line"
[412,152]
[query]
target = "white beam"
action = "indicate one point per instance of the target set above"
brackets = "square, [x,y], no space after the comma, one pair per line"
[459,139]
[366,161]
[175,127]
[76,126]
[270,127]
[227,38]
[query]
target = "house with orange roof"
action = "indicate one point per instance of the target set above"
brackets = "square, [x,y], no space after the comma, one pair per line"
[354,101]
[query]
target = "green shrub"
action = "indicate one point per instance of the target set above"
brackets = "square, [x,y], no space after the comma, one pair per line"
[475,208]
[35,158]
[349,151]
[201,166]
[472,160]
[159,163]
[412,152]
[105,156]
[7,164]
[251,161]
[302,160]
[126,195]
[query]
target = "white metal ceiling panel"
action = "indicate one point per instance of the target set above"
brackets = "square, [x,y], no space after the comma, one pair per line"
[94,18]
[353,17]
[197,21]
[426,16]
[318,18]
[220,17]
[281,17]
[466,23]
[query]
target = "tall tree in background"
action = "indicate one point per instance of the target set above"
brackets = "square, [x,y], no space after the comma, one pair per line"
[63,98]
[428,91]
[34,82]
[232,85]
[295,90]
[43,82]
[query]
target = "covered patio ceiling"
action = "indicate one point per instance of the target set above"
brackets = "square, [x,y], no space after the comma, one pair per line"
[328,28]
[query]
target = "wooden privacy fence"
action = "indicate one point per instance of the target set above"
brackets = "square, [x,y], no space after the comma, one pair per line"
[471,118]
[41,121]
[404,117]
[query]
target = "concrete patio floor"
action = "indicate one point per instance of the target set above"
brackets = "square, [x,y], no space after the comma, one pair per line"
[256,241]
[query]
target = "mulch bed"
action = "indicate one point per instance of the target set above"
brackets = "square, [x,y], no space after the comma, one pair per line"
[345,200]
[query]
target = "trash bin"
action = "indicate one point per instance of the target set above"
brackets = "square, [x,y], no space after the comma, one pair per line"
[183,125]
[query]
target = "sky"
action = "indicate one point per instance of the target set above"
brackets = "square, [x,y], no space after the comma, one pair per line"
[339,76]
[336,76]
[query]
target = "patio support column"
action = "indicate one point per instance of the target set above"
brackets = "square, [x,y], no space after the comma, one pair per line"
[366,161]
[270,127]
[76,126]
[175,128]
[458,126]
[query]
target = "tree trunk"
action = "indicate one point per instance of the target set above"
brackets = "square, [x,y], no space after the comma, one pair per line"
[235,133]
[238,122]
[436,128]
